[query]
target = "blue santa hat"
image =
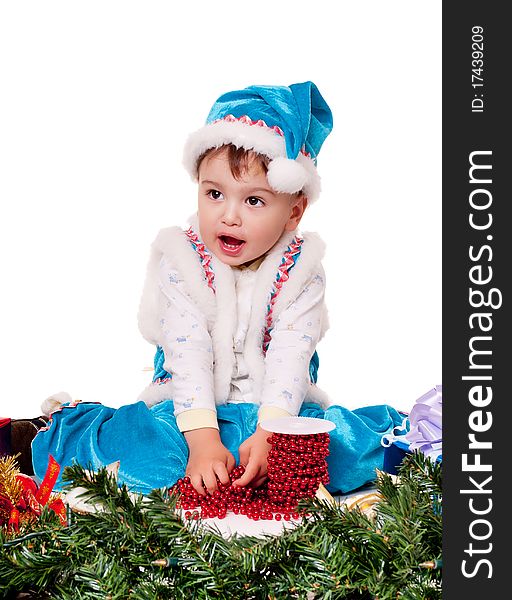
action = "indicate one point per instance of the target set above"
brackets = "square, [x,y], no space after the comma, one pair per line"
[288,124]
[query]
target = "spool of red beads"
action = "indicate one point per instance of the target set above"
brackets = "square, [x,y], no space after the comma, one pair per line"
[297,468]
[297,464]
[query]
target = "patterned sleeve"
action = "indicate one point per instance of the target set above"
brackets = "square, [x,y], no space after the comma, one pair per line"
[295,335]
[187,346]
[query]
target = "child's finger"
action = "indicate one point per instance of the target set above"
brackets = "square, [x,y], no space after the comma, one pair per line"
[251,471]
[197,483]
[210,481]
[231,463]
[221,472]
[244,455]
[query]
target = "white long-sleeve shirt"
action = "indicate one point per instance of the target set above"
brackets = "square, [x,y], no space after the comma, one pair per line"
[189,358]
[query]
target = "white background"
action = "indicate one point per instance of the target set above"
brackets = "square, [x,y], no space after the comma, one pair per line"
[96,101]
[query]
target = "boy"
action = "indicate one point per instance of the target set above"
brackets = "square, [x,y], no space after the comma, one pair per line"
[241,218]
[235,307]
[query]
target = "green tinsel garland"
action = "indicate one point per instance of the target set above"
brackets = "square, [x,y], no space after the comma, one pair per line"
[139,549]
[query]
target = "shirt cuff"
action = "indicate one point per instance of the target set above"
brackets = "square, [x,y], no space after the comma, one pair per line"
[197,418]
[271,412]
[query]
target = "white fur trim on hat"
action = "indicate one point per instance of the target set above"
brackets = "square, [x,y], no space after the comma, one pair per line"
[312,187]
[285,175]
[262,140]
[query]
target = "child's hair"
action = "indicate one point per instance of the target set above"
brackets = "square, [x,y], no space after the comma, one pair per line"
[240,160]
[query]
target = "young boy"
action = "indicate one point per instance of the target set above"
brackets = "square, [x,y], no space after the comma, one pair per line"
[235,307]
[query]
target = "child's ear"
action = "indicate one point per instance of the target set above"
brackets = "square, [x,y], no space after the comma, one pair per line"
[296,213]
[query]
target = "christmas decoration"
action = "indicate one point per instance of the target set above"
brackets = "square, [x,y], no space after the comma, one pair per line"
[78,499]
[21,502]
[426,429]
[296,468]
[421,430]
[139,547]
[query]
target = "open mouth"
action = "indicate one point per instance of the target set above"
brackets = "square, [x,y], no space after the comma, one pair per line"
[230,245]
[231,241]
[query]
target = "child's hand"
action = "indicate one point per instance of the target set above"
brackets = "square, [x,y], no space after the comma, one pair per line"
[208,459]
[253,455]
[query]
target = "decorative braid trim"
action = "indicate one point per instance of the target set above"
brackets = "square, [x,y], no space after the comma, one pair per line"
[161,380]
[283,274]
[246,120]
[204,255]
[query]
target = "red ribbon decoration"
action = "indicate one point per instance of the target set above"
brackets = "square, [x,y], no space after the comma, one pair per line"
[43,493]
[33,502]
[60,510]
[46,487]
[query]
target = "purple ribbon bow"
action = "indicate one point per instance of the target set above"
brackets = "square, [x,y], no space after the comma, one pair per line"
[425,420]
[425,426]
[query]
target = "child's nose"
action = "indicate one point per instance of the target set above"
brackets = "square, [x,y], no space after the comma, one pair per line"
[231,214]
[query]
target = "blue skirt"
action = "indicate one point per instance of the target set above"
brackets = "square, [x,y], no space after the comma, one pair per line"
[153,452]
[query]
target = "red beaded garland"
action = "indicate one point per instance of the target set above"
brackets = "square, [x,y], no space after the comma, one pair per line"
[296,468]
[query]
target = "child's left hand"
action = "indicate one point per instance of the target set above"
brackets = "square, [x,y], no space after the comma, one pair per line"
[253,455]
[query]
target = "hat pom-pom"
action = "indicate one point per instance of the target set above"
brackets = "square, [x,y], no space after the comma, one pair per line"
[286,175]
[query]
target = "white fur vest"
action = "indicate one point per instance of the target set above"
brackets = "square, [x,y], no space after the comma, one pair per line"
[220,307]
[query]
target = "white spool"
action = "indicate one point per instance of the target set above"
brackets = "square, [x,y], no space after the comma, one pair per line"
[297,425]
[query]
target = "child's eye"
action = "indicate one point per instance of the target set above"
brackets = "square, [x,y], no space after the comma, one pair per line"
[253,201]
[214,194]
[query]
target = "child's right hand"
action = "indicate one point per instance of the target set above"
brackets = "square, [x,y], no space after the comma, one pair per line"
[208,459]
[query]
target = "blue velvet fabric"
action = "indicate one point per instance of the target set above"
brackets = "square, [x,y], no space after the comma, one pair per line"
[299,110]
[153,452]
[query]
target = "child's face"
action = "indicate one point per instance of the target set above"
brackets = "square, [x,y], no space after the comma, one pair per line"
[241,220]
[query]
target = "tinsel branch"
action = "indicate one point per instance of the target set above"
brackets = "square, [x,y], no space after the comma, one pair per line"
[10,487]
